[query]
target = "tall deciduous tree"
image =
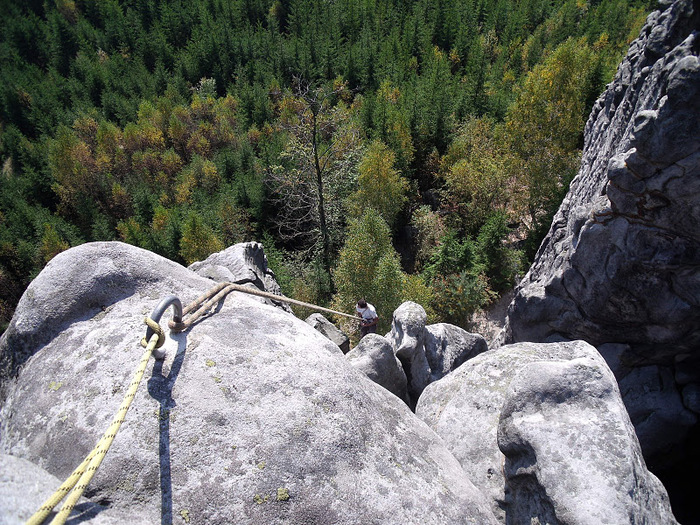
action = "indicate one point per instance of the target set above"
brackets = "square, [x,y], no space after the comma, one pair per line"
[317,171]
[368,267]
[478,175]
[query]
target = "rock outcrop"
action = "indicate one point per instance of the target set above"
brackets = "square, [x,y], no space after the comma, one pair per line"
[374,357]
[331,331]
[423,353]
[621,262]
[252,417]
[242,263]
[541,429]
[448,346]
[428,352]
[407,337]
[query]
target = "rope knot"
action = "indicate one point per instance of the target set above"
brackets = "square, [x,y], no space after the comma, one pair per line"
[153,325]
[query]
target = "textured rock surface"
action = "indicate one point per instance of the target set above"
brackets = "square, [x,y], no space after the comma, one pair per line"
[407,336]
[654,403]
[24,487]
[374,357]
[621,262]
[253,416]
[622,259]
[448,346]
[568,452]
[331,331]
[241,263]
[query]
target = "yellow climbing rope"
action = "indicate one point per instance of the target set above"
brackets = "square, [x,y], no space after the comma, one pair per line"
[82,475]
[77,482]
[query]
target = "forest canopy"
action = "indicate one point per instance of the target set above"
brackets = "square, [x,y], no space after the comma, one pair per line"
[428,143]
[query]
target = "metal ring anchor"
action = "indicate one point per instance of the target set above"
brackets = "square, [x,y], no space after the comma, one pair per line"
[157,313]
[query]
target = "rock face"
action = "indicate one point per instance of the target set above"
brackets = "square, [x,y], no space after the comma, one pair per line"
[241,263]
[426,353]
[24,487]
[374,357]
[407,337]
[541,429]
[655,403]
[448,346]
[328,329]
[621,262]
[252,417]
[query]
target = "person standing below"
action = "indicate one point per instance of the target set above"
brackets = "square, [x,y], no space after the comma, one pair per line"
[369,318]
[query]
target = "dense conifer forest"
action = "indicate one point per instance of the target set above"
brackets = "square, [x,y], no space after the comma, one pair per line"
[378,148]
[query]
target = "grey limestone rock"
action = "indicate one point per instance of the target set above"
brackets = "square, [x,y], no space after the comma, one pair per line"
[407,336]
[514,415]
[654,402]
[448,346]
[253,416]
[24,487]
[331,331]
[374,357]
[571,452]
[621,261]
[241,263]
[424,353]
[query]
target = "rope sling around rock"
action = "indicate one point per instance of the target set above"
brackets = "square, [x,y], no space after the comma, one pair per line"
[77,482]
[204,302]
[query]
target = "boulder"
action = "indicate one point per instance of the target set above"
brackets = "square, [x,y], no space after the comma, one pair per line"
[571,452]
[328,329]
[241,263]
[407,336]
[515,416]
[24,487]
[621,261]
[374,357]
[252,417]
[448,346]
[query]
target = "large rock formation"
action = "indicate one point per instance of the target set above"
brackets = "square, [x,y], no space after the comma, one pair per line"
[448,346]
[413,354]
[374,357]
[24,487]
[242,263]
[621,262]
[541,429]
[252,417]
[331,331]
[428,352]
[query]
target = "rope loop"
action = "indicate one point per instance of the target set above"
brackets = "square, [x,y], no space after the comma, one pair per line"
[153,325]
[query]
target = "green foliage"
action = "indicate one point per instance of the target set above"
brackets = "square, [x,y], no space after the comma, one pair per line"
[452,255]
[416,289]
[198,240]
[457,296]
[121,120]
[430,229]
[51,244]
[479,175]
[380,186]
[545,125]
[368,268]
[500,263]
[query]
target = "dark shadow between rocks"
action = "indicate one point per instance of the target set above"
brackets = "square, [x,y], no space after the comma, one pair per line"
[160,388]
